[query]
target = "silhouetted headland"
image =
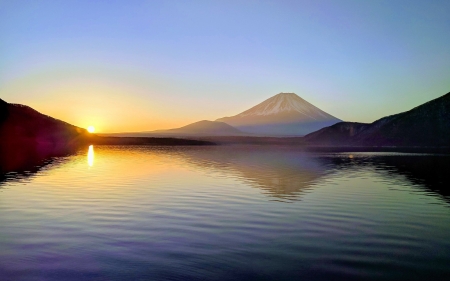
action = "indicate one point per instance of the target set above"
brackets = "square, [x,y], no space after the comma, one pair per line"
[21,126]
[427,125]
[425,128]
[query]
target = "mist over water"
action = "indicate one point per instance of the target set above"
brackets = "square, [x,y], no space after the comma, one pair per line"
[225,213]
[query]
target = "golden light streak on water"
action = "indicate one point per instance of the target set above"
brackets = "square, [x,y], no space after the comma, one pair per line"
[91,156]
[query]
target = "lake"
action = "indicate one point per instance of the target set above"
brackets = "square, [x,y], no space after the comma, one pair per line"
[225,213]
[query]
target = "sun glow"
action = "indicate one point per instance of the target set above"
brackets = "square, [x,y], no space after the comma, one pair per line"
[91,129]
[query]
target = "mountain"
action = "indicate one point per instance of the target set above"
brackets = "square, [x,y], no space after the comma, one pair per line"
[425,125]
[20,123]
[284,114]
[32,133]
[202,128]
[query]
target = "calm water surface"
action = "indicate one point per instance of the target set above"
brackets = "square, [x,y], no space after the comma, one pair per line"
[226,213]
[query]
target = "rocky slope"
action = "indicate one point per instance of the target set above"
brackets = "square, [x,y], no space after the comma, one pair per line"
[425,125]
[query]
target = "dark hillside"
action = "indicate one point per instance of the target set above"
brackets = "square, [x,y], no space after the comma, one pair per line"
[425,125]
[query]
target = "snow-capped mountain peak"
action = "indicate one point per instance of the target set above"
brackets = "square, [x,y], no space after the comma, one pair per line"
[282,114]
[285,102]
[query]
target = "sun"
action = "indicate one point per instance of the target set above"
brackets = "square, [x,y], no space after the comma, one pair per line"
[91,129]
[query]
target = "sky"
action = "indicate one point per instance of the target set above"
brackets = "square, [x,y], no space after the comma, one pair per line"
[124,66]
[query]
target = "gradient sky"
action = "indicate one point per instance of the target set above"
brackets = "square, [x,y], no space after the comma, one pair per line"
[146,65]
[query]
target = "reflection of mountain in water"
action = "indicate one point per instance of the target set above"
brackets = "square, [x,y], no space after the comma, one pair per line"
[18,161]
[280,172]
[286,173]
[430,172]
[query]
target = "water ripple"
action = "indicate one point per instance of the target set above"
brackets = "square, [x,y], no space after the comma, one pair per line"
[226,213]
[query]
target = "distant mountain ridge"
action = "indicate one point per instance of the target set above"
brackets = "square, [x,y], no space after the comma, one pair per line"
[203,128]
[285,114]
[23,128]
[424,125]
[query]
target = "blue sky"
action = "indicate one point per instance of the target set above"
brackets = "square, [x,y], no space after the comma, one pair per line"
[144,65]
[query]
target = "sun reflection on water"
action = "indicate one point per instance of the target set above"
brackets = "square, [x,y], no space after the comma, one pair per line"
[90,156]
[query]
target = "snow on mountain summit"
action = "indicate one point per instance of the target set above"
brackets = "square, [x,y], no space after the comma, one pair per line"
[285,102]
[284,114]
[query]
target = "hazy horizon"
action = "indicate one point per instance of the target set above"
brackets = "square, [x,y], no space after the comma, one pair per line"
[143,66]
